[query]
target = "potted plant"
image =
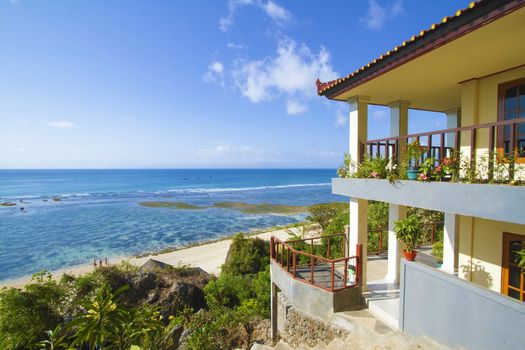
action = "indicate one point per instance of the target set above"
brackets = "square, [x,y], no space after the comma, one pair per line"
[437,253]
[408,231]
[414,152]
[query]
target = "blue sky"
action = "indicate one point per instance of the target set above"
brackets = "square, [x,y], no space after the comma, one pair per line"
[190,84]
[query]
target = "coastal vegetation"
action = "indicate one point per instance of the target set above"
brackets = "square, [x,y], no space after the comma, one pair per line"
[159,306]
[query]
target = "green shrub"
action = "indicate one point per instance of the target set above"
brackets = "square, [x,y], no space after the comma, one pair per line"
[227,291]
[26,314]
[246,256]
[323,214]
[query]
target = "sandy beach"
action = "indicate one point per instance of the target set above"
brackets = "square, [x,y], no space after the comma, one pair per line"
[208,256]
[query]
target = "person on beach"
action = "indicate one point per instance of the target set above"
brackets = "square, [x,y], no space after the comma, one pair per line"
[100,262]
[95,262]
[106,261]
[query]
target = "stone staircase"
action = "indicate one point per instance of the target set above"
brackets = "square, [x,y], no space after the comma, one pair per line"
[366,333]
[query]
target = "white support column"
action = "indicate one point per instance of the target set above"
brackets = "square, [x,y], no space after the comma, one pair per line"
[453,121]
[395,248]
[399,117]
[358,121]
[398,127]
[450,243]
[358,232]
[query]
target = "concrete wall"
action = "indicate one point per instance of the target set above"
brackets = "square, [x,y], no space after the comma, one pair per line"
[480,250]
[495,202]
[311,300]
[458,313]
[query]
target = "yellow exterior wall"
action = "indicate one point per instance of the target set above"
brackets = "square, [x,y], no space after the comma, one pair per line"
[482,240]
[479,105]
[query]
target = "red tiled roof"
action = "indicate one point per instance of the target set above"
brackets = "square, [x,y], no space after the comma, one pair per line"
[323,88]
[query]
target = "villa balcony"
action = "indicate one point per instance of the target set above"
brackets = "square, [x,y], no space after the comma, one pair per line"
[314,276]
[488,159]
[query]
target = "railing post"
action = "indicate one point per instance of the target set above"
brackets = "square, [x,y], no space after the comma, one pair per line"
[332,289]
[473,148]
[492,131]
[282,254]
[312,269]
[345,278]
[358,264]
[513,150]
[287,260]
[429,150]
[294,264]
[442,148]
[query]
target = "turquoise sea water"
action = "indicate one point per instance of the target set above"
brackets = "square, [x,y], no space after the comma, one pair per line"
[98,213]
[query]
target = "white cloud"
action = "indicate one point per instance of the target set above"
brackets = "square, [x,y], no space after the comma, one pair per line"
[235,46]
[292,72]
[379,115]
[377,15]
[340,117]
[23,150]
[14,2]
[227,21]
[61,124]
[294,107]
[276,12]
[215,73]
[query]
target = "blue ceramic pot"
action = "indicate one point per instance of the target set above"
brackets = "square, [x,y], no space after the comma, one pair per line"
[412,173]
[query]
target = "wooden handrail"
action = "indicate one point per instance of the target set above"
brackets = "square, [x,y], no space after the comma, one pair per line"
[277,244]
[448,131]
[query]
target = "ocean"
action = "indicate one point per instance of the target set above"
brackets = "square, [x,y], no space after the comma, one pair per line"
[70,217]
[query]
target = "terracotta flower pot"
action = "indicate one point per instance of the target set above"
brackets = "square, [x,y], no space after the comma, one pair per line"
[410,256]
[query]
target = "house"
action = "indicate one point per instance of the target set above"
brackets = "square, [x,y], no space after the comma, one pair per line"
[471,67]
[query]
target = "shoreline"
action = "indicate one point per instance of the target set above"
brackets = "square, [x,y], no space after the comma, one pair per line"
[208,255]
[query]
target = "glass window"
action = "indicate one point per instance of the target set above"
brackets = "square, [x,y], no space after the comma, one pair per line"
[511,100]
[514,294]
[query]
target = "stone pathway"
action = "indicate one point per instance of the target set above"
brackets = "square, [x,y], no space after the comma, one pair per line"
[367,333]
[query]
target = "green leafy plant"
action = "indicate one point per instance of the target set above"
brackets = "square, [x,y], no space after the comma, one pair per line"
[437,252]
[414,152]
[344,170]
[408,231]
[520,259]
[56,339]
[101,320]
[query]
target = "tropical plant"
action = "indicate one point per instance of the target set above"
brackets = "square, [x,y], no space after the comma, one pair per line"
[414,153]
[344,170]
[408,231]
[426,170]
[372,168]
[56,339]
[100,321]
[437,251]
[520,259]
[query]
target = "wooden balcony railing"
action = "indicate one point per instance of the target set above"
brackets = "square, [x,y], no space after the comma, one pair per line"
[435,227]
[503,136]
[331,274]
